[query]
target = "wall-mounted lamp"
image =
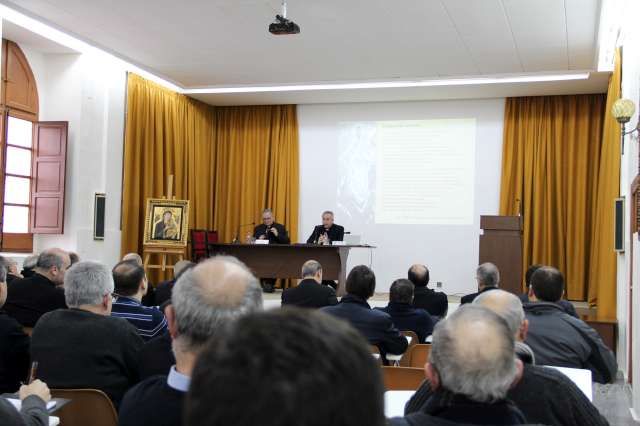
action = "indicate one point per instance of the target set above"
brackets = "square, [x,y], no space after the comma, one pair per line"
[622,110]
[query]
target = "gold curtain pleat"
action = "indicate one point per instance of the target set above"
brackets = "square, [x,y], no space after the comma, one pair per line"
[603,261]
[551,160]
[229,162]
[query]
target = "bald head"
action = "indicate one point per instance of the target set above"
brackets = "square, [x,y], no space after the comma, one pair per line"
[474,354]
[133,257]
[506,305]
[212,294]
[53,263]
[418,275]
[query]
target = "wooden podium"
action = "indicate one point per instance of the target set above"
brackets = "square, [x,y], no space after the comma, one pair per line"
[501,244]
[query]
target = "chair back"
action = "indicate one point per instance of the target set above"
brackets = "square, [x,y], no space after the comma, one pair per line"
[198,244]
[419,355]
[413,340]
[402,378]
[87,407]
[212,237]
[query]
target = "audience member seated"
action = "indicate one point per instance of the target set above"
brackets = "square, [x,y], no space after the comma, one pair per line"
[33,412]
[434,302]
[148,299]
[12,269]
[30,298]
[310,293]
[131,285]
[545,396]
[558,339]
[164,289]
[524,298]
[286,367]
[84,346]
[403,314]
[156,356]
[205,298]
[470,370]
[376,326]
[488,278]
[29,264]
[14,346]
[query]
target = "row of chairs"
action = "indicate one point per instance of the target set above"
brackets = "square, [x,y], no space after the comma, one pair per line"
[407,370]
[200,240]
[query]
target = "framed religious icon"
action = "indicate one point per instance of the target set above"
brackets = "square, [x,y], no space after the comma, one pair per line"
[166,222]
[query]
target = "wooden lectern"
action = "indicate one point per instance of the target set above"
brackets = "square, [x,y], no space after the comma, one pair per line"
[501,244]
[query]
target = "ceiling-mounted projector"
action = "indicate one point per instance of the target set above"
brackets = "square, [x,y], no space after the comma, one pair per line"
[282,25]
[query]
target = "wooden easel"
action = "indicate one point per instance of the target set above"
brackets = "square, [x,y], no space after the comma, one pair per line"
[163,251]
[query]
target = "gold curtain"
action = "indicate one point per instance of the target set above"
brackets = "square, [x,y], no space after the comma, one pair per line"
[551,159]
[230,162]
[603,261]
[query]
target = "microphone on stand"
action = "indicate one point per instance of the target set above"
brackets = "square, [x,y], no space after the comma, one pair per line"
[236,240]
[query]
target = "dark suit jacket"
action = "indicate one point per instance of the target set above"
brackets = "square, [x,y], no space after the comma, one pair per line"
[309,294]
[406,317]
[156,357]
[471,297]
[30,298]
[14,354]
[564,304]
[376,326]
[434,302]
[335,233]
[163,292]
[282,238]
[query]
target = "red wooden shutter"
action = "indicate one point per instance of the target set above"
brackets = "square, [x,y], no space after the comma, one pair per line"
[48,173]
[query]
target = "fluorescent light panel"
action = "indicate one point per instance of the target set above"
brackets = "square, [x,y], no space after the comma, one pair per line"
[80,46]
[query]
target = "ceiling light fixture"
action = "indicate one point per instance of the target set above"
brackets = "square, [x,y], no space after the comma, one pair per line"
[391,84]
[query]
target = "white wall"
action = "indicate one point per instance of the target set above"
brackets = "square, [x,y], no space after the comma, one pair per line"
[89,93]
[451,252]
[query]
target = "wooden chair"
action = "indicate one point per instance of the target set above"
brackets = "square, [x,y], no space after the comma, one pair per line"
[419,355]
[212,238]
[405,361]
[87,407]
[402,378]
[199,248]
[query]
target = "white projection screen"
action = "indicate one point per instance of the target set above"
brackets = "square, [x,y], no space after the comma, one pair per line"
[411,179]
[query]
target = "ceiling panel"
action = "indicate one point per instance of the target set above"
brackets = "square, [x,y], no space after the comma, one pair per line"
[582,31]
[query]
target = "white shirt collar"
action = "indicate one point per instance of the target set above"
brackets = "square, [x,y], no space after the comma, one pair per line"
[177,380]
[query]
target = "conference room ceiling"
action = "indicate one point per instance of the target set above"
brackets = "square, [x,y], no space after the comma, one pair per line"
[203,43]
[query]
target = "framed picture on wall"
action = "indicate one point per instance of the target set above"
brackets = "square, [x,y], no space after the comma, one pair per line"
[166,222]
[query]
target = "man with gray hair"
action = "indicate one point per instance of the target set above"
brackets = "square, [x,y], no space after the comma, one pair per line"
[488,278]
[30,298]
[310,293]
[470,370]
[85,347]
[544,395]
[205,298]
[276,233]
[327,232]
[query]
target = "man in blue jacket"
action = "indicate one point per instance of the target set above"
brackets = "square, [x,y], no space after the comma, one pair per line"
[402,312]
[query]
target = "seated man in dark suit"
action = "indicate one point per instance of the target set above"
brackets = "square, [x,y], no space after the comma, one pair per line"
[30,298]
[327,232]
[524,298]
[84,347]
[470,370]
[376,326]
[557,338]
[488,278]
[164,289]
[405,316]
[206,298]
[14,346]
[131,285]
[276,234]
[434,302]
[310,293]
[286,367]
[29,264]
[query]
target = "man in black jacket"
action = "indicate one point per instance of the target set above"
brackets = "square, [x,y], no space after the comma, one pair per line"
[403,314]
[434,302]
[327,232]
[30,298]
[544,395]
[559,339]
[310,293]
[14,346]
[276,234]
[524,297]
[376,326]
[488,278]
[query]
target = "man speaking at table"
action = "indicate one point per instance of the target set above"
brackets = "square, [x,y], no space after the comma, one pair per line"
[327,232]
[276,234]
